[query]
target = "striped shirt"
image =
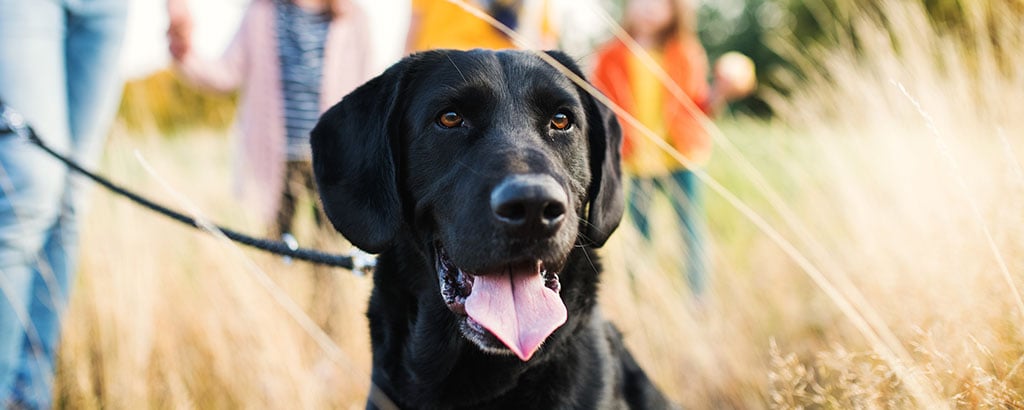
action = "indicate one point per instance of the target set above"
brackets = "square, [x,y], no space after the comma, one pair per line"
[300,45]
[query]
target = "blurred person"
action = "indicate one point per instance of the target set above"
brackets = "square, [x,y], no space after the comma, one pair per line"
[666,31]
[58,70]
[443,24]
[292,59]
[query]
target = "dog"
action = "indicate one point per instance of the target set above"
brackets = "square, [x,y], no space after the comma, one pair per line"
[484,180]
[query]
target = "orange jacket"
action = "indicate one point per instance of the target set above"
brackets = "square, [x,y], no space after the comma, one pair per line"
[685,62]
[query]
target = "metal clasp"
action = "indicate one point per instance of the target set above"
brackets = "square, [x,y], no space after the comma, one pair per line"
[363,263]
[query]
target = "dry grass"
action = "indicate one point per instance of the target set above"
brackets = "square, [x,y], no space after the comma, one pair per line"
[167,317]
[890,276]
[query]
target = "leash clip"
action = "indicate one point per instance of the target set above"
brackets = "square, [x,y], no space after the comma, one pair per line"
[11,122]
[362,263]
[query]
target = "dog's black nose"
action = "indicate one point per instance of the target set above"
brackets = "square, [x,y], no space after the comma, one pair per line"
[529,205]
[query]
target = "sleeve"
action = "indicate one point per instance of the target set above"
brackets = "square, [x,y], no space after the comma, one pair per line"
[419,5]
[364,43]
[601,74]
[697,86]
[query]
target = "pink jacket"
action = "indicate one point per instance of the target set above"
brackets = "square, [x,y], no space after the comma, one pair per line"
[250,62]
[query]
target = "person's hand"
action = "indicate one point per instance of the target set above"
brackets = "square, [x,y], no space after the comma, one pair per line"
[735,77]
[179,31]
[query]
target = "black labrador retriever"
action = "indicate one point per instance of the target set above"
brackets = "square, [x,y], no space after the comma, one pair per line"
[484,179]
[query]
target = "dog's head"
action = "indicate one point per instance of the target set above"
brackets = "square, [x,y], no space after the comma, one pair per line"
[495,163]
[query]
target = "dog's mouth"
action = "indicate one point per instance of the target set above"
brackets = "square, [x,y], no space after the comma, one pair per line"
[516,305]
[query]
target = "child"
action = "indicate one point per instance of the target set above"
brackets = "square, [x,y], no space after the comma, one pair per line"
[666,30]
[292,59]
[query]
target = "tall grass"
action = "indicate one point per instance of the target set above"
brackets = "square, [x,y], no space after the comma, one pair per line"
[164,316]
[889,277]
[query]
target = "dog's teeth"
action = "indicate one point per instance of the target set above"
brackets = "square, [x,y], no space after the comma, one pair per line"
[552,282]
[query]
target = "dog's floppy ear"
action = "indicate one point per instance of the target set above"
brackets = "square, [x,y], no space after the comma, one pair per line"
[606,198]
[606,202]
[354,162]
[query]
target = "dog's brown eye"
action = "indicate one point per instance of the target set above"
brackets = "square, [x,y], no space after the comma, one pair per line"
[450,119]
[560,121]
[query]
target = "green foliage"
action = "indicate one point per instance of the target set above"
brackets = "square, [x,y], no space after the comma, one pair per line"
[756,27]
[743,25]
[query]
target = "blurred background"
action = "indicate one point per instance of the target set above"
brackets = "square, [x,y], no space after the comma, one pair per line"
[764,30]
[864,211]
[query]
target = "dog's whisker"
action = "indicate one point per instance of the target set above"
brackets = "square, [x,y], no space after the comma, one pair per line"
[591,263]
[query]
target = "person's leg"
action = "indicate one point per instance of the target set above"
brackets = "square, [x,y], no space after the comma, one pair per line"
[289,200]
[641,191]
[324,299]
[691,216]
[32,82]
[309,185]
[92,49]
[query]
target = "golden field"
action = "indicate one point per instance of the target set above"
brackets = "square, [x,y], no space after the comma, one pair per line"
[868,248]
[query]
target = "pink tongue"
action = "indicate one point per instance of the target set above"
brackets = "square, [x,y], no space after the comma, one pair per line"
[517,308]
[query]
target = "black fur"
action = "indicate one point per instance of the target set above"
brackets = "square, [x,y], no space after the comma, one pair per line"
[394,181]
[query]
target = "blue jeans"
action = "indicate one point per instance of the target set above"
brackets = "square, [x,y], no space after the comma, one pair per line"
[682,190]
[58,68]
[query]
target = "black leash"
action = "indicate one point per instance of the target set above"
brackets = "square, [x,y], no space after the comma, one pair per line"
[358,262]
